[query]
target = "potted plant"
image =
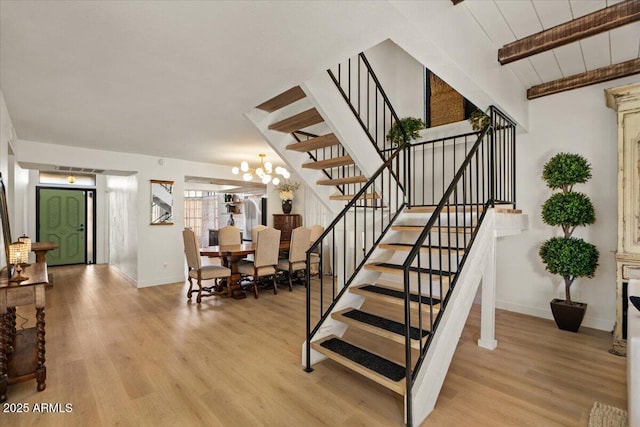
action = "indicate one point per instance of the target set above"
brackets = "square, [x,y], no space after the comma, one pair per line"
[411,126]
[478,119]
[568,256]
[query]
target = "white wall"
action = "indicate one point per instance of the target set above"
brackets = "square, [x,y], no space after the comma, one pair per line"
[401,77]
[122,193]
[6,136]
[579,122]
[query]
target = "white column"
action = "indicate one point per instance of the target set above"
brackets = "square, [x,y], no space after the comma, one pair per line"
[488,311]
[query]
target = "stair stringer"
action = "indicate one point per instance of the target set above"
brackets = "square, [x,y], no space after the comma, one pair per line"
[326,98]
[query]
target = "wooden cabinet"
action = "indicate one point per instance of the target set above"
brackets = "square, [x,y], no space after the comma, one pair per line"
[22,355]
[625,100]
[286,223]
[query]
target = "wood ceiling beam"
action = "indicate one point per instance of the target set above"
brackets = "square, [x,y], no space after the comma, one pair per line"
[594,23]
[599,75]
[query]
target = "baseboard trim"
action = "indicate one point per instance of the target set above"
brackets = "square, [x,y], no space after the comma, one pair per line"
[589,321]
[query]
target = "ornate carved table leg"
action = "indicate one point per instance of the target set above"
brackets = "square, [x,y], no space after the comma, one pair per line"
[4,377]
[41,370]
[10,342]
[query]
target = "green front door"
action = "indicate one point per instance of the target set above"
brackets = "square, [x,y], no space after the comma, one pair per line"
[62,219]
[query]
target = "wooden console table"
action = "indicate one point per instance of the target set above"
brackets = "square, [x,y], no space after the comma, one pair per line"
[286,223]
[41,249]
[22,352]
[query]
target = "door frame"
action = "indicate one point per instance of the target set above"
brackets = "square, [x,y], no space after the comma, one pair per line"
[86,191]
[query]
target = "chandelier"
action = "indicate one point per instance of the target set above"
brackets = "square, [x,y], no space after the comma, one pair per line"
[265,171]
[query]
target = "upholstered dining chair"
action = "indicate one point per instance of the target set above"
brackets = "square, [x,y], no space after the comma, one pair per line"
[314,264]
[255,230]
[229,235]
[199,272]
[297,260]
[266,258]
[254,238]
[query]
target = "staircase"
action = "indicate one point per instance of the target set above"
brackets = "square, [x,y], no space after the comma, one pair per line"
[410,243]
[325,152]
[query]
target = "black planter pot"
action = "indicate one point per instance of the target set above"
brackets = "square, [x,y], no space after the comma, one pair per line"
[568,317]
[286,206]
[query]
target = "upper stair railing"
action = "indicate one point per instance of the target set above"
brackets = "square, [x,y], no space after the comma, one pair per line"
[484,178]
[364,94]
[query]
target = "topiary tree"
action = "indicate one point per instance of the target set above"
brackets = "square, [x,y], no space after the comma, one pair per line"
[568,256]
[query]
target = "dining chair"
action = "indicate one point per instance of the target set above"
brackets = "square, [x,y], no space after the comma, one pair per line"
[198,271]
[254,237]
[229,235]
[266,258]
[315,267]
[297,260]
[255,230]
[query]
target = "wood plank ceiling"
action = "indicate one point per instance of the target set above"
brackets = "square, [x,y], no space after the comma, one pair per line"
[600,56]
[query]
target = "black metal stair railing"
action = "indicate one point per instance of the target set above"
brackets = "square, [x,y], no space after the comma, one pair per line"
[349,240]
[368,101]
[483,179]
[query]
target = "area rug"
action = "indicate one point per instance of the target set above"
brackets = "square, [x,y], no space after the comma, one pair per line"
[607,416]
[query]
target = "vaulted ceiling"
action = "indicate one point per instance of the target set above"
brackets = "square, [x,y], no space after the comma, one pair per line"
[527,24]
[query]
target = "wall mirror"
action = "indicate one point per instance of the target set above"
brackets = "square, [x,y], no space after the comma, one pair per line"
[6,231]
[161,202]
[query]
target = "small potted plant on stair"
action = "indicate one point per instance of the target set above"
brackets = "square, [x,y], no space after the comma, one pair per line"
[568,256]
[411,126]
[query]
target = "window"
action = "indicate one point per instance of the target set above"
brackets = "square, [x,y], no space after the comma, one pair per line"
[201,213]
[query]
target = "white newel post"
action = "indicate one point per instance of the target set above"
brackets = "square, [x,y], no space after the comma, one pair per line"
[488,311]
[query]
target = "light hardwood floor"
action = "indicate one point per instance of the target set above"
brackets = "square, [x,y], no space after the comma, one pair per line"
[146,357]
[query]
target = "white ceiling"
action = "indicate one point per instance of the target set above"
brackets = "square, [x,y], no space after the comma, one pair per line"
[166,78]
[173,78]
[505,21]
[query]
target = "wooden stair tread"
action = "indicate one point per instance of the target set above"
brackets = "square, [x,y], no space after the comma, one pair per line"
[340,181]
[385,267]
[339,196]
[322,141]
[406,247]
[285,98]
[383,371]
[329,163]
[299,121]
[509,211]
[444,229]
[380,325]
[392,295]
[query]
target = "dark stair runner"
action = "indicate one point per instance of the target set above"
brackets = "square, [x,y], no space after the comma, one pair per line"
[378,364]
[399,294]
[384,323]
[417,270]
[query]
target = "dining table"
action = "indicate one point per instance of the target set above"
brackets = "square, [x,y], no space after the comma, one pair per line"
[233,256]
